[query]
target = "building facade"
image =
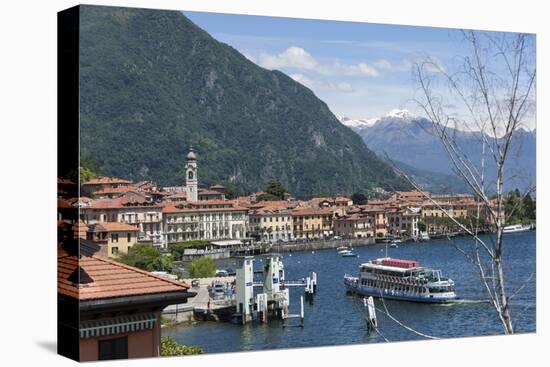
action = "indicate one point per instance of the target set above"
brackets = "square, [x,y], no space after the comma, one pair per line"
[206,220]
[312,223]
[118,238]
[354,226]
[271,225]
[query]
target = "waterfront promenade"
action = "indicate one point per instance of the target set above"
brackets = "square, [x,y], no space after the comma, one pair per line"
[320,244]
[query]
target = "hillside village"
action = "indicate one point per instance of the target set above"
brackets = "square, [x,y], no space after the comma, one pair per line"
[117,213]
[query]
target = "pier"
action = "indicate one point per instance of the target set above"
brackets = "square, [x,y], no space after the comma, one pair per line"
[244,298]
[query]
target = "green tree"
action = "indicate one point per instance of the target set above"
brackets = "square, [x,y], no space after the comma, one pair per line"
[169,347]
[529,208]
[422,226]
[276,189]
[146,258]
[86,174]
[359,198]
[202,267]
[177,249]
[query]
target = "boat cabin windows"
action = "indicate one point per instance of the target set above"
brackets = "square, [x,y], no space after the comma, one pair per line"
[442,289]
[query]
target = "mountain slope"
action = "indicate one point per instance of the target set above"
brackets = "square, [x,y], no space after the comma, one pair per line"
[153,83]
[411,140]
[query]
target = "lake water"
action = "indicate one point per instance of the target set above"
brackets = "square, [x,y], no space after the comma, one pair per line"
[335,318]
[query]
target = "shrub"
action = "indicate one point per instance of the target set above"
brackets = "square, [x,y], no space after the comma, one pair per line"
[202,268]
[169,347]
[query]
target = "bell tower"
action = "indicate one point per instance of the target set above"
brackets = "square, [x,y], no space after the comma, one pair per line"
[191,181]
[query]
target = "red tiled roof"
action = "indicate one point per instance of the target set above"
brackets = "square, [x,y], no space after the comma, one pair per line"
[109,279]
[123,202]
[342,199]
[217,186]
[193,209]
[312,211]
[209,192]
[115,227]
[272,204]
[116,190]
[107,180]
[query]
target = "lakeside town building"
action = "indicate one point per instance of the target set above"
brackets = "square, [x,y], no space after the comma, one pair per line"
[312,223]
[206,220]
[116,237]
[357,225]
[271,224]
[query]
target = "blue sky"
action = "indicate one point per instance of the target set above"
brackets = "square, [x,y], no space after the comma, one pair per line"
[360,70]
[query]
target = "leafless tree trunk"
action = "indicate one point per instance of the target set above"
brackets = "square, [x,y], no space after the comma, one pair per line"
[495,87]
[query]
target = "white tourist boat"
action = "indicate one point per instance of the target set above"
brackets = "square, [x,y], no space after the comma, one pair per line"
[516,228]
[403,280]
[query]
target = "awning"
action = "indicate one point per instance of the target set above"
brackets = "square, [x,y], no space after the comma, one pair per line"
[227,243]
[117,325]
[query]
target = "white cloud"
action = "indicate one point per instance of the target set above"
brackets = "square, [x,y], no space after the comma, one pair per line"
[297,58]
[320,85]
[390,67]
[361,69]
[292,57]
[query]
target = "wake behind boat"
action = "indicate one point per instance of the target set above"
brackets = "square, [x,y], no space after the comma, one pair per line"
[348,253]
[403,280]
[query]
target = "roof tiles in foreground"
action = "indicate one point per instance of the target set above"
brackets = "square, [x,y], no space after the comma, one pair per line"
[109,279]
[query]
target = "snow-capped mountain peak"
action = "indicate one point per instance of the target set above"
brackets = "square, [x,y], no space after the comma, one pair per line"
[357,123]
[402,114]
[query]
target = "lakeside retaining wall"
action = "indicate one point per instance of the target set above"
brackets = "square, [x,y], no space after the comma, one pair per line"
[321,244]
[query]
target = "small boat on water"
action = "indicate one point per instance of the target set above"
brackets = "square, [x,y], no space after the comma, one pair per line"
[342,249]
[394,245]
[423,237]
[348,253]
[403,280]
[516,228]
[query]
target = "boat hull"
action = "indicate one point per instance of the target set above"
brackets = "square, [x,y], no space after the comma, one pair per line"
[395,295]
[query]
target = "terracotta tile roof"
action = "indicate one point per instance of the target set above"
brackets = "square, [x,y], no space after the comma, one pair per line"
[342,199]
[107,180]
[272,204]
[122,202]
[117,190]
[217,187]
[209,192]
[312,211]
[114,227]
[178,208]
[108,279]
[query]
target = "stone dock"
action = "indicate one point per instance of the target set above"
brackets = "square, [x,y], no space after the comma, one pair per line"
[202,306]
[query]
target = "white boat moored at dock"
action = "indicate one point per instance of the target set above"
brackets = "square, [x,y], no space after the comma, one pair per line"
[403,280]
